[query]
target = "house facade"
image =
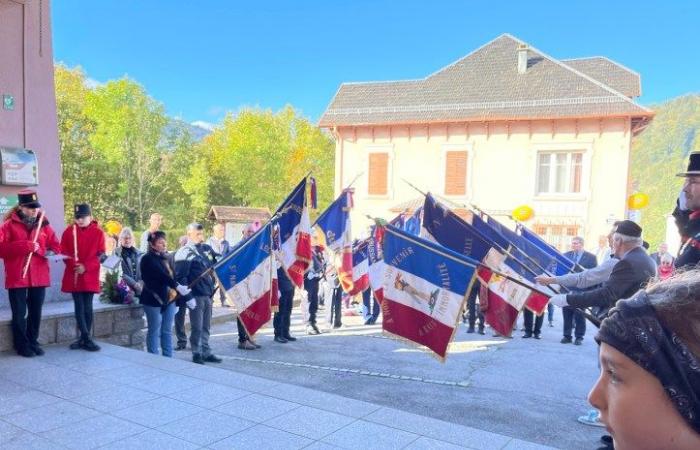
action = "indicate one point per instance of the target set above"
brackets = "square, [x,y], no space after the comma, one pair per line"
[28,121]
[506,125]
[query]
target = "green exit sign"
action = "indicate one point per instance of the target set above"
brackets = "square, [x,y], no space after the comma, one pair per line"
[8,102]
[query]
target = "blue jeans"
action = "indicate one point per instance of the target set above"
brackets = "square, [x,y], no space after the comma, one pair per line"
[160,328]
[550,312]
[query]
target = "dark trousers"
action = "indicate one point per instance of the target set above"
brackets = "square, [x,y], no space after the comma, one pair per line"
[83,312]
[311,288]
[474,313]
[528,317]
[26,304]
[180,325]
[242,335]
[571,317]
[283,317]
[371,305]
[550,312]
[336,302]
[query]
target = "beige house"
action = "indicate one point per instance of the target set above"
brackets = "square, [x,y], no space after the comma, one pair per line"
[505,125]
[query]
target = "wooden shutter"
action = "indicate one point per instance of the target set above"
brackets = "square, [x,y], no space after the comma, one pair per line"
[378,174]
[455,173]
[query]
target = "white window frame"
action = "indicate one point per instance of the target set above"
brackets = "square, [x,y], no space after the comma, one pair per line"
[469,185]
[585,148]
[388,150]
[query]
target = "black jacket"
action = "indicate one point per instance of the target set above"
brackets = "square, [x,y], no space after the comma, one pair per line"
[628,276]
[130,264]
[156,279]
[689,255]
[190,263]
[587,261]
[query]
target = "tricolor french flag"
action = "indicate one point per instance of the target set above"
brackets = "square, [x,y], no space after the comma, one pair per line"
[425,287]
[360,268]
[249,277]
[375,261]
[334,232]
[295,234]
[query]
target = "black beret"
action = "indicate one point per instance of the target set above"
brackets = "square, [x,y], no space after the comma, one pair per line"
[629,228]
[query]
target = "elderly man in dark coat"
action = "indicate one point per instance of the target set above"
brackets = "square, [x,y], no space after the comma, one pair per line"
[687,215]
[630,274]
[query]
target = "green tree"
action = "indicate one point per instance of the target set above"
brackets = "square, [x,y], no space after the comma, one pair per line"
[660,152]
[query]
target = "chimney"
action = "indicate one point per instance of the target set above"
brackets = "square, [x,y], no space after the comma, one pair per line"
[522,58]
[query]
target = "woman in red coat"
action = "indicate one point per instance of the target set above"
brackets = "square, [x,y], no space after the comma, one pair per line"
[84,242]
[19,240]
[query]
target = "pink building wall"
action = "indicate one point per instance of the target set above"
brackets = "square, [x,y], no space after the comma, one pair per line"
[26,72]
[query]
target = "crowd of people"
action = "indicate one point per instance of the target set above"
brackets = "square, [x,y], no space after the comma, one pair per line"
[648,393]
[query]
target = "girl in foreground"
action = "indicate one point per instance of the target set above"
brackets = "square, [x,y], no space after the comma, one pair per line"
[648,392]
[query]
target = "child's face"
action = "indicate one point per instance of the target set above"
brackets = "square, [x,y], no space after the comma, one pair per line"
[84,221]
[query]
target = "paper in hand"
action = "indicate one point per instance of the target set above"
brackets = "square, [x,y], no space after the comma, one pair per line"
[111,262]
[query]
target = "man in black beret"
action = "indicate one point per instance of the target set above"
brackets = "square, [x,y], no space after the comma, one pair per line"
[633,270]
[687,214]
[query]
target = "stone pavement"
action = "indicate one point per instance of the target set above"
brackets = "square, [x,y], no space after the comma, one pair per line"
[127,399]
[528,389]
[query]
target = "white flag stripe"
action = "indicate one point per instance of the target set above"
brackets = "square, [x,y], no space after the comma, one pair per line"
[447,303]
[254,286]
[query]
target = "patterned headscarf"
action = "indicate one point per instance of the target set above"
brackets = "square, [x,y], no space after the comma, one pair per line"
[633,328]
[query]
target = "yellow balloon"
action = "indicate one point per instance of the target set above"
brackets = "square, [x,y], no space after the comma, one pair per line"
[113,227]
[638,201]
[523,213]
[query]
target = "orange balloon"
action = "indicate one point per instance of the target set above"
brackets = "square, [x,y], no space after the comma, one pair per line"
[523,213]
[638,200]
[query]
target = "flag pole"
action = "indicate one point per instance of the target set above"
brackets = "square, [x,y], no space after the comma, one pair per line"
[36,237]
[594,320]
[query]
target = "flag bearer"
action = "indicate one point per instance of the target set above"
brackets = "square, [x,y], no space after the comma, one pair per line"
[26,238]
[84,243]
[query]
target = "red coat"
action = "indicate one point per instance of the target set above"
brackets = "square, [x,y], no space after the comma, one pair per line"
[15,246]
[91,245]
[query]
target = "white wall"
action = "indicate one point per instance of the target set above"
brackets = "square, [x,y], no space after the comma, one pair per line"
[501,171]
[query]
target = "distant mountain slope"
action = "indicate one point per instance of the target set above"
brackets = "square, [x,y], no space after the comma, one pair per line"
[197,130]
[660,152]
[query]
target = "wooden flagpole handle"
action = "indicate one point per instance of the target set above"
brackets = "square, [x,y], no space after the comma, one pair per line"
[36,238]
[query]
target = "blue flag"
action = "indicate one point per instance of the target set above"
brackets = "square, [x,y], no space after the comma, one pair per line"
[451,231]
[564,264]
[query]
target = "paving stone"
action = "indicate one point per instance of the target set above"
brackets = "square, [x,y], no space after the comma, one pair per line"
[437,429]
[310,422]
[425,443]
[132,373]
[206,427]
[221,376]
[320,445]
[207,395]
[149,440]
[9,432]
[257,408]
[116,398]
[92,433]
[74,386]
[29,441]
[321,400]
[261,436]
[517,444]
[29,399]
[48,417]
[37,376]
[172,383]
[158,412]
[367,435]
[96,365]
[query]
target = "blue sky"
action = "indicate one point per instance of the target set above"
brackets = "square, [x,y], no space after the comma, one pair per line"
[203,58]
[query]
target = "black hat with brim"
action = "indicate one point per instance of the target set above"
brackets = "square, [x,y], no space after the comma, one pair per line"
[82,210]
[629,228]
[693,166]
[28,199]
